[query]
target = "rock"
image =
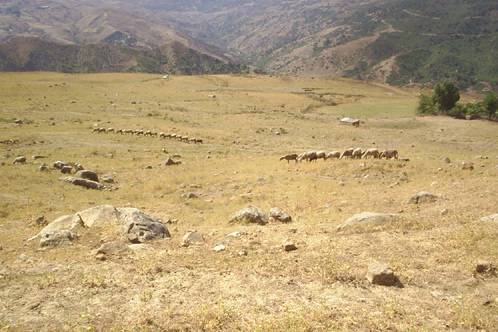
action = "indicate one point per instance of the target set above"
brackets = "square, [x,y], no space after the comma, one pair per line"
[242,252]
[128,223]
[56,238]
[36,157]
[192,238]
[467,165]
[19,121]
[171,162]
[84,183]
[108,179]
[289,246]
[43,168]
[251,215]
[41,221]
[278,215]
[485,267]
[66,169]
[423,197]
[444,212]
[19,160]
[219,248]
[59,164]
[236,234]
[447,160]
[87,174]
[491,218]
[381,274]
[369,220]
[190,195]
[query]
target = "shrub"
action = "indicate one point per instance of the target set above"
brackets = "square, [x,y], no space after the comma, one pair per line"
[426,105]
[446,95]
[490,104]
[458,111]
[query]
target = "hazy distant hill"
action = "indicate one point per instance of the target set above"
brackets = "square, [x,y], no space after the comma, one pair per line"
[86,36]
[396,41]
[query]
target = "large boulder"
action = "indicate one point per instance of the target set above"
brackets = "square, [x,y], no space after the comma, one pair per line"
[251,215]
[108,221]
[423,197]
[87,174]
[368,221]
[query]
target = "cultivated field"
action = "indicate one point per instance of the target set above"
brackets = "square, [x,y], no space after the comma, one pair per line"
[249,124]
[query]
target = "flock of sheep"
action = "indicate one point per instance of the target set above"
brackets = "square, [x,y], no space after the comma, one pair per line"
[140,132]
[351,153]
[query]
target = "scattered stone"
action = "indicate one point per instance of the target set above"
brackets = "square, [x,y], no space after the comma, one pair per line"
[89,175]
[243,252]
[369,220]
[84,183]
[41,221]
[381,274]
[278,215]
[148,167]
[36,157]
[485,267]
[423,197]
[236,234]
[467,165]
[190,195]
[444,212]
[66,169]
[219,248]
[56,238]
[192,238]
[289,246]
[171,162]
[251,215]
[59,164]
[447,160]
[43,168]
[491,218]
[108,179]
[109,249]
[19,160]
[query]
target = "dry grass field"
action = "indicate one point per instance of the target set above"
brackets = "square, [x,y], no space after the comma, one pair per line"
[321,286]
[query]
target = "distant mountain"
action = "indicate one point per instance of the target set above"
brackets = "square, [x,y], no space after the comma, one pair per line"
[394,41]
[86,36]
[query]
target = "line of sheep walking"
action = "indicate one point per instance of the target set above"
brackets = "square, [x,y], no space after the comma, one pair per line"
[350,153]
[149,133]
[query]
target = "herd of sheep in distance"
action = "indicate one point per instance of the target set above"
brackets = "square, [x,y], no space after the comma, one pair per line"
[351,153]
[140,132]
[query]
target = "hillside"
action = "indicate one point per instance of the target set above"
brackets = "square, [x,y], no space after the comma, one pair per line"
[82,37]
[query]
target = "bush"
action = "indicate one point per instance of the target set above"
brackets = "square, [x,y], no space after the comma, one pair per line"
[458,112]
[446,95]
[426,105]
[490,104]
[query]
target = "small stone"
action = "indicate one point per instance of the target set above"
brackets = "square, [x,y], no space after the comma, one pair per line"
[192,238]
[242,252]
[491,218]
[467,165]
[219,248]
[236,234]
[66,169]
[251,215]
[485,267]
[20,160]
[278,215]
[444,212]
[89,175]
[190,195]
[43,168]
[422,197]
[289,246]
[447,160]
[107,179]
[381,274]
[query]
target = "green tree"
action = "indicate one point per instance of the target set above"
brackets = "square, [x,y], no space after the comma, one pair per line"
[490,103]
[426,105]
[446,95]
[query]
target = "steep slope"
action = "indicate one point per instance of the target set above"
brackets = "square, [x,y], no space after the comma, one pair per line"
[91,36]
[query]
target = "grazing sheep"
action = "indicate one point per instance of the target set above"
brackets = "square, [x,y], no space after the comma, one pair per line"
[373,152]
[95,130]
[153,134]
[119,131]
[357,153]
[321,155]
[199,140]
[289,157]
[184,138]
[347,154]
[389,154]
[139,132]
[308,156]
[162,135]
[334,155]
[192,140]
[20,160]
